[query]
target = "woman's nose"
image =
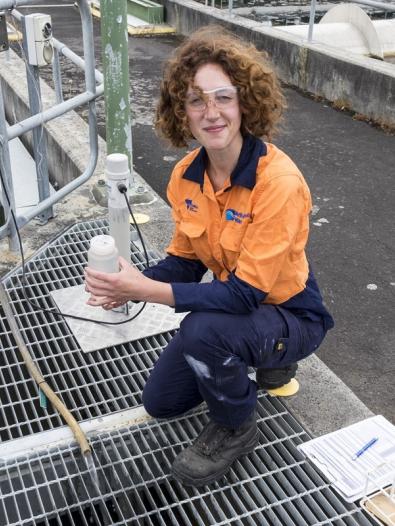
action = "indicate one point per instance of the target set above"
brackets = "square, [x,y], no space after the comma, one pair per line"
[212,111]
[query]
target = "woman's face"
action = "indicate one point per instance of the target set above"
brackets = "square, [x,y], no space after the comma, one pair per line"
[214,121]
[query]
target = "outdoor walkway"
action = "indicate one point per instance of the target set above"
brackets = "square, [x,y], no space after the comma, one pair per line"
[349,167]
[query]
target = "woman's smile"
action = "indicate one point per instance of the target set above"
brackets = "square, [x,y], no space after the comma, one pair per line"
[214,129]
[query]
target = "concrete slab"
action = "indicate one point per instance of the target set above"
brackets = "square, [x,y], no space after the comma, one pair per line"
[137,26]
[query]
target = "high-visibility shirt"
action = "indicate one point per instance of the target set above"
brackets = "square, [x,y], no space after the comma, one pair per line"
[251,234]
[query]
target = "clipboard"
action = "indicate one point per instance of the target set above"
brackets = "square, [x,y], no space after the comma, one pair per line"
[332,454]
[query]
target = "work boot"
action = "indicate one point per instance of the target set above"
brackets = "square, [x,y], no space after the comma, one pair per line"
[275,378]
[214,451]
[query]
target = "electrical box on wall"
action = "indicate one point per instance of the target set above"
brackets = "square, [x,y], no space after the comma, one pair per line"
[39,44]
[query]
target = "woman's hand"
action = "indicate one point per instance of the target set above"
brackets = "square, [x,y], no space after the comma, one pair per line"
[113,290]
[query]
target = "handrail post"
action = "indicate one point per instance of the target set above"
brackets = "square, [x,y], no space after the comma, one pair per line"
[57,76]
[39,137]
[5,166]
[311,21]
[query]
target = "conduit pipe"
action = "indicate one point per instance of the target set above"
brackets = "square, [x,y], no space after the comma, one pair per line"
[40,380]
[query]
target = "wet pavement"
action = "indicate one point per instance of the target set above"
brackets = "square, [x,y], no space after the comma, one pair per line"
[349,166]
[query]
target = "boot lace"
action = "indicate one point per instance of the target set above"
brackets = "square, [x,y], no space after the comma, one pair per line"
[211,438]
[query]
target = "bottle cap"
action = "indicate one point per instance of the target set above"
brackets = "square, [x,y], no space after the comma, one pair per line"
[103,245]
[117,166]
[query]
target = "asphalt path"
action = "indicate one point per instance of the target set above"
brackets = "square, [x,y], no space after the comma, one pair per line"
[349,166]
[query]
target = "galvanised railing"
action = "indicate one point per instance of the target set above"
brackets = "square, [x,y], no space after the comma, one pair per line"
[36,121]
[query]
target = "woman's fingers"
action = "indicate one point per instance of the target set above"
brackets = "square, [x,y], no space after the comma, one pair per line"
[113,305]
[98,287]
[99,292]
[96,274]
[97,301]
[118,287]
[94,282]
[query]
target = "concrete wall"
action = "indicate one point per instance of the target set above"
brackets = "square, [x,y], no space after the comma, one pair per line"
[361,84]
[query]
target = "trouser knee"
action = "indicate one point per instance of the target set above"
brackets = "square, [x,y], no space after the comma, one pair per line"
[152,403]
[200,335]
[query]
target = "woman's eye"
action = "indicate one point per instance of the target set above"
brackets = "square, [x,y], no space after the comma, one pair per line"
[223,98]
[195,101]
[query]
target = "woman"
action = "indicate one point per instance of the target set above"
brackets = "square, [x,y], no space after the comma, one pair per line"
[240,208]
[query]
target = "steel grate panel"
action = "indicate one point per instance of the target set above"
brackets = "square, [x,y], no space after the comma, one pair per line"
[273,486]
[110,380]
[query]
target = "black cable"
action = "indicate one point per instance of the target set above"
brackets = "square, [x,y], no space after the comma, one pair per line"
[24,280]
[122,188]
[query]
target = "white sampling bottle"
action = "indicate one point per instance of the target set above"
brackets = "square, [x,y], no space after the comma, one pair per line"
[117,173]
[103,254]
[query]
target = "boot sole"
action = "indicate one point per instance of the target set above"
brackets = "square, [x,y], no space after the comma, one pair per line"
[280,381]
[189,481]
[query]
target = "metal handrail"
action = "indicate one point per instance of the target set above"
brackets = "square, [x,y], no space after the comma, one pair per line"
[89,96]
[76,59]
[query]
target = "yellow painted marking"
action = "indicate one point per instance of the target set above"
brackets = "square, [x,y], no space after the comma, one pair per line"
[288,389]
[141,30]
[140,218]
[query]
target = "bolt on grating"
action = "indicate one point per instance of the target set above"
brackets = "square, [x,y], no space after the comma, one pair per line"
[273,486]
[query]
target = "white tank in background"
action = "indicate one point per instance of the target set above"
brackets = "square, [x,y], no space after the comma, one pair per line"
[348,27]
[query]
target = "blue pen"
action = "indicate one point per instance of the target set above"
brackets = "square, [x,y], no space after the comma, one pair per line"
[364,448]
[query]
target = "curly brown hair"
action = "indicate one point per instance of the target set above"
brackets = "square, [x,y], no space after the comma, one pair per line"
[260,95]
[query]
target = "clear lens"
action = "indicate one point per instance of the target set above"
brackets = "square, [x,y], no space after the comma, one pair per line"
[220,97]
[224,97]
[195,101]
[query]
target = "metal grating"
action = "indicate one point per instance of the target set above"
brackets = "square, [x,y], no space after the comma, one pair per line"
[273,486]
[90,385]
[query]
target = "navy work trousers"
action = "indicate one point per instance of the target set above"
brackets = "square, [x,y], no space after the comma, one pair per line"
[209,356]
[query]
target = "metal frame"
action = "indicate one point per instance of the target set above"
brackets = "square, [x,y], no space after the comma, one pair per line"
[89,96]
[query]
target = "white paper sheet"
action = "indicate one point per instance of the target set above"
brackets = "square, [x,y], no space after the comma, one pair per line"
[333,453]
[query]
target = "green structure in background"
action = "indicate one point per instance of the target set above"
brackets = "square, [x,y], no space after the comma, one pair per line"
[114,34]
[146,10]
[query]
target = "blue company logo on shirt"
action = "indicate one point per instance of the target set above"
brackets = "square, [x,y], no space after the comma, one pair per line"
[237,217]
[191,205]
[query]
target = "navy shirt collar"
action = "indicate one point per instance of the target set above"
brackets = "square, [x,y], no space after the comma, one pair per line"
[244,173]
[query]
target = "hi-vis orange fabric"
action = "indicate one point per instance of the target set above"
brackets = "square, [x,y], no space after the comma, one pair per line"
[260,232]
